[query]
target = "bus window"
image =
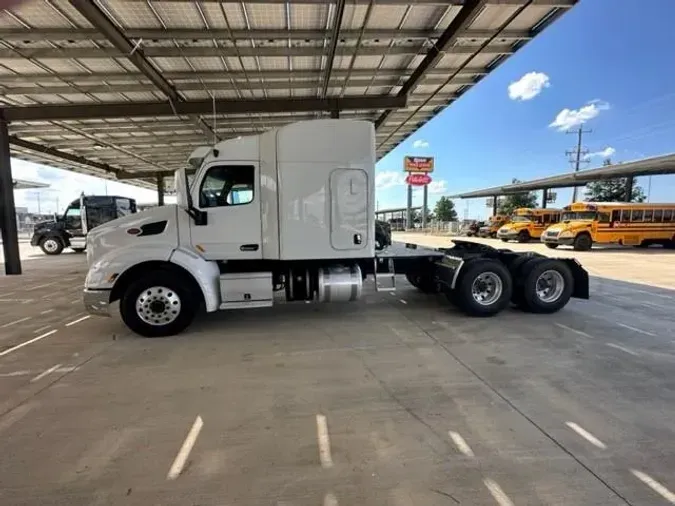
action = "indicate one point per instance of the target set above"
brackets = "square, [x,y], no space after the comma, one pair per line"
[658,215]
[616,215]
[637,215]
[649,215]
[603,217]
[667,215]
[547,218]
[625,215]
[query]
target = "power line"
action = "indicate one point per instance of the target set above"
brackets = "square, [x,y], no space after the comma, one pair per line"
[576,154]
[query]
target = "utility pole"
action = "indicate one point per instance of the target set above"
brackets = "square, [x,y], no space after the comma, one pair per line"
[577,153]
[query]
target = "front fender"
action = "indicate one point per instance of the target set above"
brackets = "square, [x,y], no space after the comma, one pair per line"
[205,273]
[107,269]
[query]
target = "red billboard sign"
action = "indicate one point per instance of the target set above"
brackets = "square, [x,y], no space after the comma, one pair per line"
[418,164]
[418,179]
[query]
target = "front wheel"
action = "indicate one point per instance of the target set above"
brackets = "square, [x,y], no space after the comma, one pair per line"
[583,242]
[484,288]
[551,245]
[505,240]
[159,304]
[523,236]
[78,250]
[51,245]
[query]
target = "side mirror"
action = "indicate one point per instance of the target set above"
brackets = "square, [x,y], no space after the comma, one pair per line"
[199,217]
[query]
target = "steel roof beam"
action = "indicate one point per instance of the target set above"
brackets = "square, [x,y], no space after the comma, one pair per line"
[134,53]
[69,157]
[141,109]
[231,51]
[332,48]
[469,10]
[130,77]
[219,86]
[152,34]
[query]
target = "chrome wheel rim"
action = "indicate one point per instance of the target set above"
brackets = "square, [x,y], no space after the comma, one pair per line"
[487,288]
[549,286]
[50,245]
[158,305]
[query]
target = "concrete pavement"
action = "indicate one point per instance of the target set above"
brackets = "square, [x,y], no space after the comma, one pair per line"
[396,400]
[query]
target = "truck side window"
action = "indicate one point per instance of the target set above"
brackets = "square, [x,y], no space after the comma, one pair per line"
[73,217]
[227,185]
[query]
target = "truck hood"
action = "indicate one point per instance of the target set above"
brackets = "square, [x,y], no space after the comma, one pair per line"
[157,225]
[49,225]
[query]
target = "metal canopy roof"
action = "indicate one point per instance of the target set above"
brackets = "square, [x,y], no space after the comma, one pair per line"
[127,88]
[657,165]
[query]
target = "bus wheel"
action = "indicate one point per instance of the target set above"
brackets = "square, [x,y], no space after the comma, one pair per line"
[484,287]
[583,242]
[547,286]
[505,240]
[523,236]
[551,245]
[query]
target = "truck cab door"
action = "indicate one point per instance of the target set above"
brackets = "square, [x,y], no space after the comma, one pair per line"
[229,195]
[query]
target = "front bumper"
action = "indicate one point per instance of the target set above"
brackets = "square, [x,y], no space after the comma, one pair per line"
[97,302]
[565,241]
[507,235]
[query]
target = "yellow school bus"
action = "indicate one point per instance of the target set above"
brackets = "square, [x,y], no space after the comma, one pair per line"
[493,225]
[528,223]
[633,224]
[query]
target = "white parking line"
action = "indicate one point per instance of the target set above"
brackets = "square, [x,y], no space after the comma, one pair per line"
[41,329]
[330,500]
[654,485]
[461,444]
[15,415]
[42,286]
[13,374]
[15,322]
[497,492]
[45,373]
[635,329]
[7,294]
[324,442]
[625,350]
[575,331]
[403,302]
[26,343]
[78,320]
[184,452]
[586,435]
[46,311]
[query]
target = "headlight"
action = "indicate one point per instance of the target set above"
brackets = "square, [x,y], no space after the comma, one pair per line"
[566,235]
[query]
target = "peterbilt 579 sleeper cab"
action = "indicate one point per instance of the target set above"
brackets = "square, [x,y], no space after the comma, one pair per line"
[292,211]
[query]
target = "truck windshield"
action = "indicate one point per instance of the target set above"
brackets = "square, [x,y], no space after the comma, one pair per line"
[521,219]
[579,215]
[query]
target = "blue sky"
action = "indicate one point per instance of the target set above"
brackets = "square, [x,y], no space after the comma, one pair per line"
[610,56]
[605,60]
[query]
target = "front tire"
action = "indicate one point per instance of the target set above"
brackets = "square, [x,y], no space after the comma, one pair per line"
[551,245]
[484,288]
[583,242]
[52,245]
[159,304]
[523,236]
[78,250]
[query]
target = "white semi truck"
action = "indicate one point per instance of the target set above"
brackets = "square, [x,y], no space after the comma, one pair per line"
[289,214]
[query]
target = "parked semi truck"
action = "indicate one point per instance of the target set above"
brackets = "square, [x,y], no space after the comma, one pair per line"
[81,215]
[289,215]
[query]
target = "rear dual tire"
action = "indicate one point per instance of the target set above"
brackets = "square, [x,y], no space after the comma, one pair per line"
[543,285]
[483,288]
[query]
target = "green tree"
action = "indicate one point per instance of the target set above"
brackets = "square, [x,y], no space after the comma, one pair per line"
[445,210]
[510,203]
[612,190]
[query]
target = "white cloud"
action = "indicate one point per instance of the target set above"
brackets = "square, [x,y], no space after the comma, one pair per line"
[605,153]
[420,144]
[528,86]
[66,186]
[389,179]
[570,118]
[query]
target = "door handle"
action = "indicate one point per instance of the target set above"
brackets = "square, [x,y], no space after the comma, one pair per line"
[249,247]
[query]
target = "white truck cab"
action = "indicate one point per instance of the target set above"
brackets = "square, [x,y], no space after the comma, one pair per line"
[289,214]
